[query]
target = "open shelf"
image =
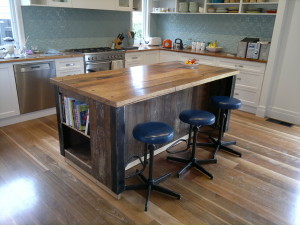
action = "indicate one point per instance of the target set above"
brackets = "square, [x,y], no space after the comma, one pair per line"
[78,131]
[173,7]
[80,155]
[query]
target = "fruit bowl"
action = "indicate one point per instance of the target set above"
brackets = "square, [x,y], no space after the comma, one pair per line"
[190,65]
[216,49]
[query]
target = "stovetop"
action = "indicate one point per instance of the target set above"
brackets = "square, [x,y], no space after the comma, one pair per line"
[93,50]
[99,54]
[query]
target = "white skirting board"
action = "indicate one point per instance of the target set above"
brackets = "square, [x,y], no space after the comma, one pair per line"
[27,116]
[157,151]
[284,115]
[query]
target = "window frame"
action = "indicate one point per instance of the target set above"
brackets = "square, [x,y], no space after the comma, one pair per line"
[17,22]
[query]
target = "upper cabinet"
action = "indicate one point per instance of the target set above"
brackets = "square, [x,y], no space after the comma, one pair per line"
[124,5]
[95,4]
[119,5]
[249,7]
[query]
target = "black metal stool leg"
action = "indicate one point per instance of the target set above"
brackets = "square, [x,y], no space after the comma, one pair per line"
[193,162]
[148,196]
[218,144]
[150,183]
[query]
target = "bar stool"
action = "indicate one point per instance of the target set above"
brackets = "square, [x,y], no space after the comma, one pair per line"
[152,133]
[223,103]
[196,119]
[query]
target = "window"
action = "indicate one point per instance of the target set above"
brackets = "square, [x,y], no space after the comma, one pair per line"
[5,21]
[11,24]
[139,21]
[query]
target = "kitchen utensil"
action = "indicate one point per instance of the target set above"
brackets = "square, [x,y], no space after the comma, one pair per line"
[178,45]
[217,49]
[167,43]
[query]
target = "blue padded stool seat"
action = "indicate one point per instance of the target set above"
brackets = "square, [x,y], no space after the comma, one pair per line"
[225,102]
[153,133]
[197,117]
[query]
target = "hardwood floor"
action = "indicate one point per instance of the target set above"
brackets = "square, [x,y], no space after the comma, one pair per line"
[262,187]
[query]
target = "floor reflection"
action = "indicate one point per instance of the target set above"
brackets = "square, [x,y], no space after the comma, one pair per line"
[17,196]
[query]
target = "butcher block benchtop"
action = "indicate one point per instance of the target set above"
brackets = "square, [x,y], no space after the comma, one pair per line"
[123,87]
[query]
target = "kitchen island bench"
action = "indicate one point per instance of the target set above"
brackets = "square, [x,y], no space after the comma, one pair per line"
[120,99]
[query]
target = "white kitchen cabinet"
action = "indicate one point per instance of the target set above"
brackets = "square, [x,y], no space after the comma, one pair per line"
[124,5]
[168,56]
[134,59]
[150,57]
[248,82]
[9,104]
[69,66]
[95,4]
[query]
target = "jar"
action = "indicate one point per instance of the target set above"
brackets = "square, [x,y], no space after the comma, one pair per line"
[193,7]
[188,44]
[183,7]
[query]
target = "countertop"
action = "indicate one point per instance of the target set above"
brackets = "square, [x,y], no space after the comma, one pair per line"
[40,57]
[205,53]
[130,85]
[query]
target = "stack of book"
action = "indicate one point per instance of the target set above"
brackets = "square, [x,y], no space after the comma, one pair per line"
[76,114]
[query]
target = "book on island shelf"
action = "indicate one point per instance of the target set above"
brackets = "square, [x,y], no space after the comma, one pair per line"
[76,114]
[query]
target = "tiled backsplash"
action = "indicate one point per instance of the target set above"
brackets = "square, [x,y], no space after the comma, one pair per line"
[228,30]
[66,28]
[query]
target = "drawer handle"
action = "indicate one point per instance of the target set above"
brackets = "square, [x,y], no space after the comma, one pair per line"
[239,78]
[70,64]
[135,57]
[236,94]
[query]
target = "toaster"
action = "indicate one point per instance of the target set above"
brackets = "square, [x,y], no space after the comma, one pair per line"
[154,41]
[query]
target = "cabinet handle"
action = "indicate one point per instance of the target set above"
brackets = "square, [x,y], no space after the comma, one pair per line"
[70,64]
[236,94]
[239,78]
[135,57]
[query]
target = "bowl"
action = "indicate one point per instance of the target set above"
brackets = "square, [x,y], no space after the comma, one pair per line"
[192,66]
[217,49]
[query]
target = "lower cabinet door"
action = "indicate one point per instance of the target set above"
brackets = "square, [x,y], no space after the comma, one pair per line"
[9,104]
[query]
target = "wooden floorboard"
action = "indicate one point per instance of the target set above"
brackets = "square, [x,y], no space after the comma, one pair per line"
[263,187]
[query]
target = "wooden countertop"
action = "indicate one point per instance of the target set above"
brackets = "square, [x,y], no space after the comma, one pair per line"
[205,53]
[40,57]
[130,85]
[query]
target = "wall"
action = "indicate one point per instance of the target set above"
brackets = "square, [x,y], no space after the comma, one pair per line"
[67,28]
[280,96]
[228,30]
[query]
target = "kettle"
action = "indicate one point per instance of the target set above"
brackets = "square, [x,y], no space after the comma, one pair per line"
[167,43]
[178,44]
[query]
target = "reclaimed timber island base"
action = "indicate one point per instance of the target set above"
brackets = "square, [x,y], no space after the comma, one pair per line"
[120,99]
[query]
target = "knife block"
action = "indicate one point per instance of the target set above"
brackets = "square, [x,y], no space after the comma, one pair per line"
[118,43]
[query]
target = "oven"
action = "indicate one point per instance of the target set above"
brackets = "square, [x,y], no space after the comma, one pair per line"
[101,59]
[95,66]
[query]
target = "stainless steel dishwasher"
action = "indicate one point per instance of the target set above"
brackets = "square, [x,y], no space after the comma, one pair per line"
[33,85]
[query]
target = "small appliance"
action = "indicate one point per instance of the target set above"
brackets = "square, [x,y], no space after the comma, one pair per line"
[167,43]
[178,44]
[156,41]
